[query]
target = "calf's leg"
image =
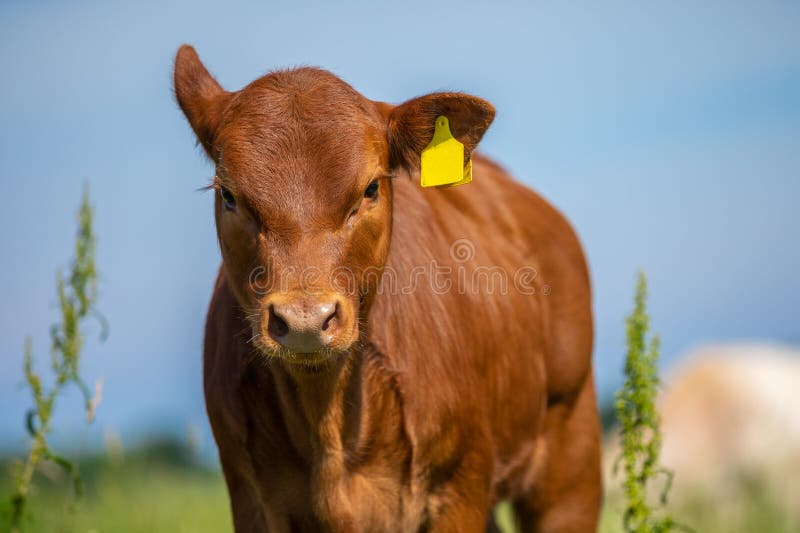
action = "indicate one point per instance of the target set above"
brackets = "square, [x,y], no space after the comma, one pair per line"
[464,504]
[567,494]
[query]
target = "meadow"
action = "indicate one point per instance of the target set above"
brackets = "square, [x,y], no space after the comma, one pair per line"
[162,487]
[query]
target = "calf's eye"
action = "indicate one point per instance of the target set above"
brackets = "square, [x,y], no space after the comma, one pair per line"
[227,199]
[372,190]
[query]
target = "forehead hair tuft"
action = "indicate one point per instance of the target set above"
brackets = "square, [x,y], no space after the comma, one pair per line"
[300,141]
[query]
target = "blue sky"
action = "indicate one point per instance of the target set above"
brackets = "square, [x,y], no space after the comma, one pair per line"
[668,133]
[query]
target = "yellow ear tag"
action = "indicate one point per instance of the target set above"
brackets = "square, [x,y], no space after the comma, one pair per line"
[442,161]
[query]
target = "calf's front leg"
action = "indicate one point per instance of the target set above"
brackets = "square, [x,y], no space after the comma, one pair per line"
[464,502]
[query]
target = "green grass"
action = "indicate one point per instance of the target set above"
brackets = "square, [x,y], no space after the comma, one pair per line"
[156,489]
[742,506]
[161,488]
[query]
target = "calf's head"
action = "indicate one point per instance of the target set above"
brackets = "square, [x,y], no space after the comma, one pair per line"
[304,197]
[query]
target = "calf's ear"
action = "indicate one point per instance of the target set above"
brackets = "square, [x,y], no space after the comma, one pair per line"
[201,98]
[411,125]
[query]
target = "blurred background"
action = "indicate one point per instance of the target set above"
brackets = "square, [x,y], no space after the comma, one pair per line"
[668,133]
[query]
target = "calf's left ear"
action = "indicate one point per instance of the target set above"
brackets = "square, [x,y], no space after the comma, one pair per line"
[411,125]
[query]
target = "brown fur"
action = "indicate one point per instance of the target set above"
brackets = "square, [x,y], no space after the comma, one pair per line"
[428,406]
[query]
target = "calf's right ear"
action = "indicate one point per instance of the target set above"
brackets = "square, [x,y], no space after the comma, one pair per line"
[201,98]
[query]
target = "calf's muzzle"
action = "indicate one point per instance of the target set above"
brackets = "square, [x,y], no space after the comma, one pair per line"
[304,323]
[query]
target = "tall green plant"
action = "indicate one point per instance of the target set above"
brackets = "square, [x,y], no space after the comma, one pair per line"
[639,422]
[77,294]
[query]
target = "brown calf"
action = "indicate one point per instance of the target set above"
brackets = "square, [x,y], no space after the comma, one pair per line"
[378,356]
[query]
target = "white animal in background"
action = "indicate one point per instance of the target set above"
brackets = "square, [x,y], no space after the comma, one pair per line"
[729,410]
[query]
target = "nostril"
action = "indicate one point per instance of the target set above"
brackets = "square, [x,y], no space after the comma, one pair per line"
[277,325]
[330,321]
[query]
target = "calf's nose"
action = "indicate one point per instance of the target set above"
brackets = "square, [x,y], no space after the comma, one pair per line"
[303,326]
